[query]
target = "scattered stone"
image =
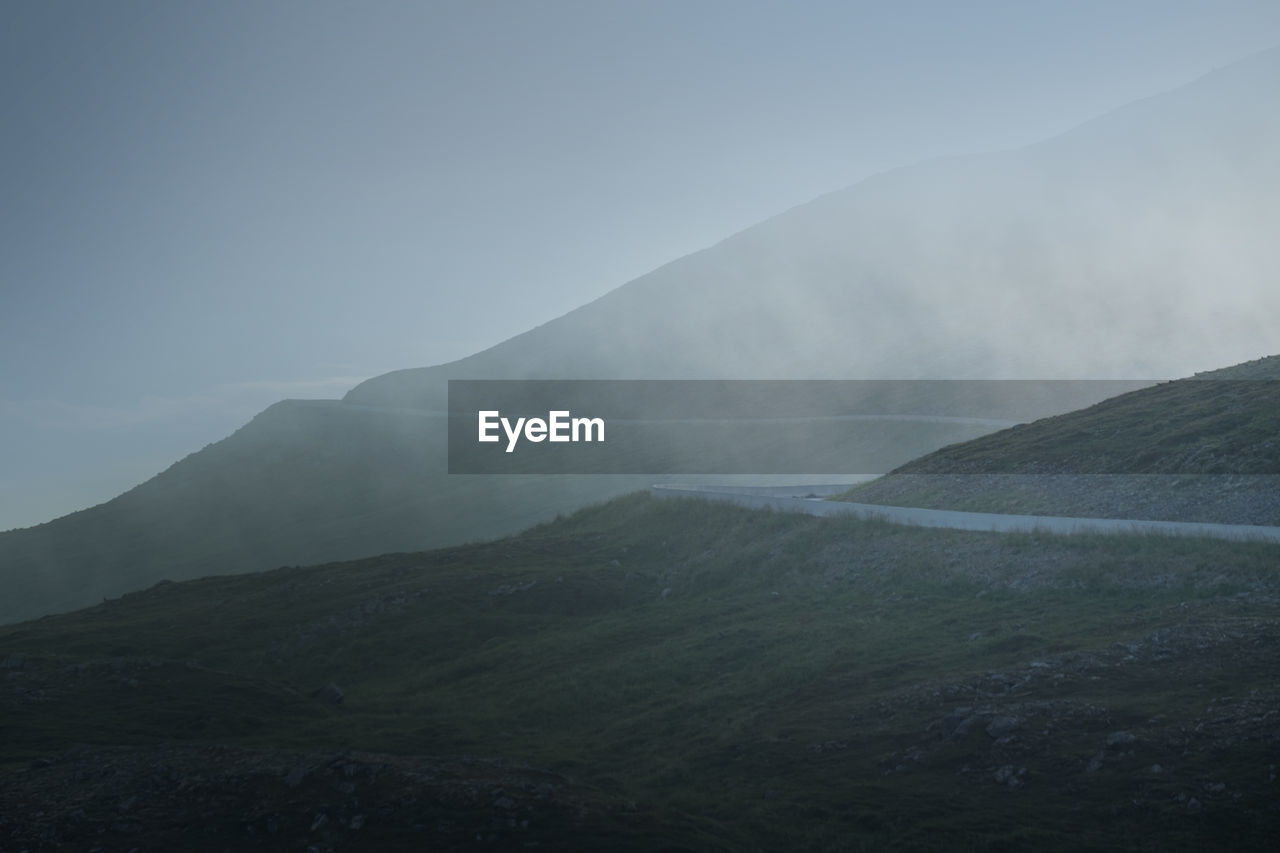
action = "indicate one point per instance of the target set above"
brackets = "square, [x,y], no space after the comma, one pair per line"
[957,723]
[1002,726]
[295,777]
[827,746]
[513,588]
[330,693]
[1156,768]
[14,660]
[1120,739]
[1193,805]
[1006,775]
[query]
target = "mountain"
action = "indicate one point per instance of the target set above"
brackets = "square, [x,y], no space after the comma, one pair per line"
[1138,245]
[1205,448]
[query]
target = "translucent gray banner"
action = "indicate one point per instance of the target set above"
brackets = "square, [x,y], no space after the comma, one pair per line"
[760,427]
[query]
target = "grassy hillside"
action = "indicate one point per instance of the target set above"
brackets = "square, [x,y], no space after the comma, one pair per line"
[1206,448]
[304,482]
[688,674]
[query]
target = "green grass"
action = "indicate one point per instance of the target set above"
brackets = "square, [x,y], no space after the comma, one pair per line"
[763,674]
[1192,426]
[1199,449]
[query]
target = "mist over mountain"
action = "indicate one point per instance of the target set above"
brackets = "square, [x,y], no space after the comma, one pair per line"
[1138,245]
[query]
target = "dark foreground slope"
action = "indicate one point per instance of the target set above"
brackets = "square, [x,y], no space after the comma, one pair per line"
[666,675]
[1206,448]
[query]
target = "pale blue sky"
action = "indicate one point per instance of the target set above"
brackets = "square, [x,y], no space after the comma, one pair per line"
[210,206]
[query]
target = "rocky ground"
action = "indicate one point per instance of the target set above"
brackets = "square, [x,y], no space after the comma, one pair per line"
[216,798]
[742,681]
[1051,730]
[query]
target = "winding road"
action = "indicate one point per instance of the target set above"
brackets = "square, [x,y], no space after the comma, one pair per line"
[810,500]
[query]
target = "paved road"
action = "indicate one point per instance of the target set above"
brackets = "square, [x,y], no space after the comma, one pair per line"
[809,500]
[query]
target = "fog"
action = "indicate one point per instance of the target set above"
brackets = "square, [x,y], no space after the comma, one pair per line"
[209,209]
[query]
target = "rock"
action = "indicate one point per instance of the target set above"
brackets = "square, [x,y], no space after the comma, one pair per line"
[330,693]
[1006,775]
[1095,763]
[1002,726]
[513,588]
[1193,805]
[1156,768]
[1120,739]
[295,777]
[950,724]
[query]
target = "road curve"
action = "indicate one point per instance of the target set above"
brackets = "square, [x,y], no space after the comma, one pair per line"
[809,500]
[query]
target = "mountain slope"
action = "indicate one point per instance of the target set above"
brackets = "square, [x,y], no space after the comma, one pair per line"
[304,482]
[1206,448]
[1138,245]
[693,676]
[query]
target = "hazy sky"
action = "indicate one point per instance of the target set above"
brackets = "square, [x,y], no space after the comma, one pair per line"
[210,206]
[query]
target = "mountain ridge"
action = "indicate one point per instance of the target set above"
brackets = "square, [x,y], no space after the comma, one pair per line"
[996,266]
[966,172]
